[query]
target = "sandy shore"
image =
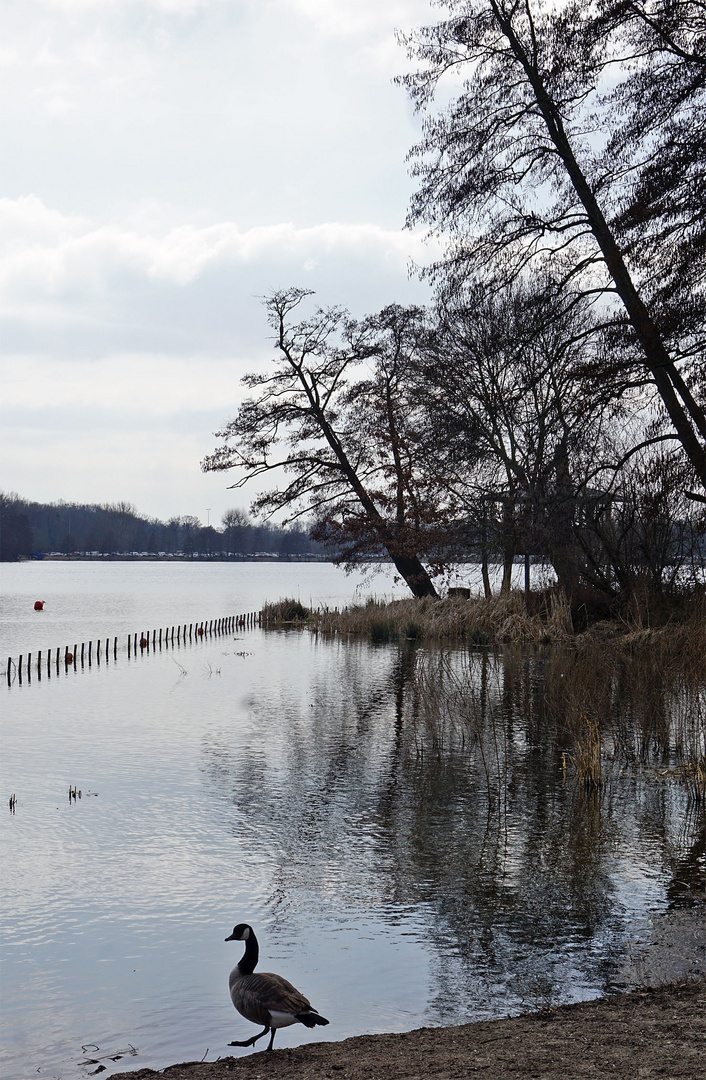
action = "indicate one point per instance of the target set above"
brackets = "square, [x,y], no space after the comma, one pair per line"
[651,1033]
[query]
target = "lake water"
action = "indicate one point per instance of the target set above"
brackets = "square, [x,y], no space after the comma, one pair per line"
[92,600]
[289,782]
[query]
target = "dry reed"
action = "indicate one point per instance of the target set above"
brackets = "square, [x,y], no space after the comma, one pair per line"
[477,621]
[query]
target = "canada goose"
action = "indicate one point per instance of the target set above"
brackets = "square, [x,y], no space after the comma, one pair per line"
[265,998]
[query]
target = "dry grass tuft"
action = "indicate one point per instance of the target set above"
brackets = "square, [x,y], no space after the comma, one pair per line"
[285,612]
[587,756]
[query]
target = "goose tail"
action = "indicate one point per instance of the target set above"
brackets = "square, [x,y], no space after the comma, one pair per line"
[310,1019]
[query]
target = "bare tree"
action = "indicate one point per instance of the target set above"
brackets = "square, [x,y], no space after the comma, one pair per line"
[643,532]
[515,420]
[576,138]
[333,418]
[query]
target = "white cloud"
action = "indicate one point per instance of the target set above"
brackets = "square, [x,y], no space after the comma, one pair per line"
[167,7]
[65,265]
[167,163]
[344,17]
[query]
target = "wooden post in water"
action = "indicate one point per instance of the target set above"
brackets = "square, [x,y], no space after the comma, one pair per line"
[58,653]
[129,643]
[98,651]
[29,662]
[9,670]
[115,649]
[19,669]
[90,647]
[75,655]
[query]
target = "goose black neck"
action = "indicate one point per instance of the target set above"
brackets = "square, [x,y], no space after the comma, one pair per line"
[250,956]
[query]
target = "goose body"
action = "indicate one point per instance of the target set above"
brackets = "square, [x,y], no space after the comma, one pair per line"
[263,997]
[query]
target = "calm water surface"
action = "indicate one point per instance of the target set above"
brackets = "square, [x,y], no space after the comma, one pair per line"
[89,600]
[289,782]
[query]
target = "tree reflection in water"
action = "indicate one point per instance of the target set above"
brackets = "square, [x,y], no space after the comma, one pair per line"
[439,788]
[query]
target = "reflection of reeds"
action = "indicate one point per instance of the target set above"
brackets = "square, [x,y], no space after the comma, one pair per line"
[693,775]
[456,711]
[592,708]
[689,725]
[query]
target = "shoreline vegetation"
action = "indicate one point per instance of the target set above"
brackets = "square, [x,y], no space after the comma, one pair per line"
[647,1033]
[538,618]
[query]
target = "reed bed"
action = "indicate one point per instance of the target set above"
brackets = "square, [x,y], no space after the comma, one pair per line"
[478,621]
[285,612]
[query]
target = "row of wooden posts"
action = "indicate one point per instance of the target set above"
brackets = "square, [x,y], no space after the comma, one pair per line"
[136,643]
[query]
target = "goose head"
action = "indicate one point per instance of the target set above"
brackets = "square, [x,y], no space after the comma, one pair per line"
[241,932]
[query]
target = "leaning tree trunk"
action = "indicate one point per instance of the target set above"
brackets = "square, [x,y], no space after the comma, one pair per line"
[686,414]
[411,569]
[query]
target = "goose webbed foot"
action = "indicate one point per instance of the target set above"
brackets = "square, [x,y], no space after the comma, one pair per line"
[251,1042]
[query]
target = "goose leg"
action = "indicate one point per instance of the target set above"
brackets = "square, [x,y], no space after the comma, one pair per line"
[272,1038]
[251,1042]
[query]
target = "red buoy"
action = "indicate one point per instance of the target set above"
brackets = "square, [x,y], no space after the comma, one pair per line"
[69,658]
[39,605]
[143,642]
[200,631]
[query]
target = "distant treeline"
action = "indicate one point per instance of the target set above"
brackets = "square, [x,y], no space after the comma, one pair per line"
[31,528]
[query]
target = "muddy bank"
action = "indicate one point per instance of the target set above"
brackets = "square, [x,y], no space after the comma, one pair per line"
[652,1033]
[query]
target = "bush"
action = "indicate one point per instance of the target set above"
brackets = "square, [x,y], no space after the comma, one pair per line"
[381,633]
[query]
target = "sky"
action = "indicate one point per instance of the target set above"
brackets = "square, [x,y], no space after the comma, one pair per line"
[165,164]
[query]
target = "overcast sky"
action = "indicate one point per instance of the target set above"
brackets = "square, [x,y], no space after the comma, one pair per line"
[164,164]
